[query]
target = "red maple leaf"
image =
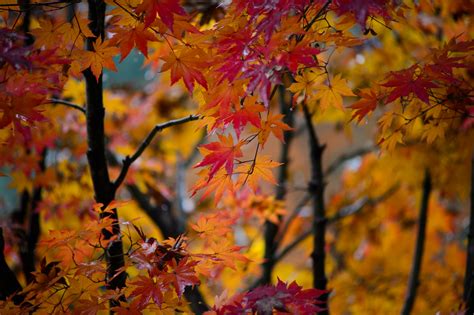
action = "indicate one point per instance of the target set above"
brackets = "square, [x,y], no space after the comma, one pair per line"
[300,54]
[362,9]
[291,299]
[181,275]
[249,113]
[405,83]
[164,8]
[146,289]
[128,38]
[220,153]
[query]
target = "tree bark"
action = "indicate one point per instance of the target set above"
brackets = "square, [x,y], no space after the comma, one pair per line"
[103,188]
[316,188]
[469,276]
[271,229]
[414,280]
[31,222]
[9,283]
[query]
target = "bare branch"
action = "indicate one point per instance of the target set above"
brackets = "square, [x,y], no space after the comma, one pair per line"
[292,216]
[38,4]
[127,162]
[347,157]
[352,209]
[67,103]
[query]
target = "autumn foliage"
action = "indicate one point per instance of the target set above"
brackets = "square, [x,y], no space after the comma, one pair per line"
[257,157]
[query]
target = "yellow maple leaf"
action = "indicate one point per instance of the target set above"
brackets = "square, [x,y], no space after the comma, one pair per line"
[304,83]
[261,170]
[389,143]
[331,94]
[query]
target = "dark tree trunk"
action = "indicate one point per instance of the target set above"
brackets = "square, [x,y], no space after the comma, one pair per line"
[31,222]
[414,280]
[271,229]
[469,276]
[103,188]
[316,188]
[9,283]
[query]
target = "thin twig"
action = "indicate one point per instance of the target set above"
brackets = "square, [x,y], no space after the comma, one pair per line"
[347,157]
[349,210]
[127,162]
[67,103]
[292,216]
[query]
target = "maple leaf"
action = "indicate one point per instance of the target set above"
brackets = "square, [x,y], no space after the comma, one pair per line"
[146,289]
[226,253]
[130,37]
[23,111]
[261,169]
[220,153]
[331,95]
[300,54]
[12,52]
[79,26]
[164,8]
[181,275]
[362,9]
[213,225]
[90,306]
[224,95]
[185,66]
[101,57]
[267,299]
[365,105]
[248,113]
[220,183]
[283,297]
[404,84]
[303,84]
[389,143]
[274,125]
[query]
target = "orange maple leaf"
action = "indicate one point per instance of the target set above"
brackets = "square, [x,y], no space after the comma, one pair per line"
[101,57]
[274,125]
[261,169]
[365,105]
[184,65]
[218,184]
[128,38]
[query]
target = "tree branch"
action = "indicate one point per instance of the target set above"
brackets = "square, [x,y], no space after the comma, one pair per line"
[349,210]
[414,282]
[163,216]
[127,162]
[292,216]
[170,226]
[469,276]
[67,103]
[347,157]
